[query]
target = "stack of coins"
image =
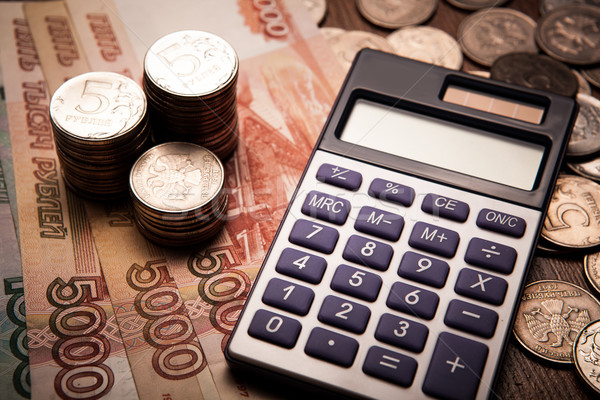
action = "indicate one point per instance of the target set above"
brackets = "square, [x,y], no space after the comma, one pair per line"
[100,127]
[178,194]
[190,80]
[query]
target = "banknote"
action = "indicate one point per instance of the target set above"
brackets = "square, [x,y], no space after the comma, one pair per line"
[14,358]
[75,346]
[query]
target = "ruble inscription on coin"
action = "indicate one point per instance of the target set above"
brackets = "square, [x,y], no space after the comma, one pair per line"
[489,33]
[586,353]
[570,34]
[573,218]
[395,14]
[550,316]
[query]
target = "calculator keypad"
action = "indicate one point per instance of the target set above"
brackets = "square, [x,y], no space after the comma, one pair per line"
[405,288]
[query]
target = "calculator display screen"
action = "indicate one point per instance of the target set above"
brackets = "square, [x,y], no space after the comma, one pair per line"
[444,144]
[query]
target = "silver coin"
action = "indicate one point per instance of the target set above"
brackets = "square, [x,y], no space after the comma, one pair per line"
[191,63]
[487,34]
[97,106]
[317,9]
[585,138]
[176,177]
[394,14]
[347,44]
[571,34]
[476,4]
[328,32]
[586,354]
[427,44]
[587,169]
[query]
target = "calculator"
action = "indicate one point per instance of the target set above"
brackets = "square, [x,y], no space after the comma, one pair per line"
[397,269]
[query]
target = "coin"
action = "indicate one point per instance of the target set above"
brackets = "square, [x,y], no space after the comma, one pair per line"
[585,138]
[476,4]
[550,315]
[591,267]
[582,83]
[347,44]
[592,75]
[190,81]
[549,5]
[329,32]
[178,194]
[489,33]
[570,34]
[586,353]
[587,169]
[394,14]
[573,218]
[100,126]
[536,71]
[317,9]
[427,44]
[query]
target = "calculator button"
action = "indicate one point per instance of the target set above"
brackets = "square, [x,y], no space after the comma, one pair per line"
[367,252]
[392,191]
[401,332]
[434,239]
[274,328]
[288,296]
[500,222]
[326,207]
[455,368]
[445,207]
[423,269]
[331,347]
[314,236]
[413,300]
[491,255]
[301,265]
[390,366]
[480,286]
[471,318]
[383,224]
[338,176]
[356,282]
[344,314]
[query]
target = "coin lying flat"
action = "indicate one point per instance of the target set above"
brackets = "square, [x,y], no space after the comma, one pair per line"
[489,33]
[347,44]
[587,169]
[550,315]
[476,4]
[573,218]
[394,14]
[591,267]
[178,194]
[570,34]
[549,5]
[317,9]
[592,75]
[100,126]
[427,44]
[585,138]
[536,71]
[586,353]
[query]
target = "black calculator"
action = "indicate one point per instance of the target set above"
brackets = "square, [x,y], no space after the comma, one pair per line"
[397,269]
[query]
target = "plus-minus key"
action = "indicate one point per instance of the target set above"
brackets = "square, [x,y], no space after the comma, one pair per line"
[339,176]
